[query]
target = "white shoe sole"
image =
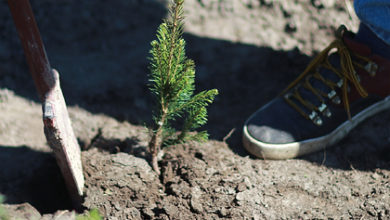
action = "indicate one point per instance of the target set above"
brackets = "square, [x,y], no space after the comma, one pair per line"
[295,149]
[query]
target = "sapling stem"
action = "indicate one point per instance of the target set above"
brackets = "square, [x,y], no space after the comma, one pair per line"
[155,143]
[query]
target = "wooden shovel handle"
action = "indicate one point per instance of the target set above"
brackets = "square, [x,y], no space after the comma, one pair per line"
[32,44]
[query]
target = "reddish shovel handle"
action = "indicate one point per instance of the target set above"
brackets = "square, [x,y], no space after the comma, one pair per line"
[32,44]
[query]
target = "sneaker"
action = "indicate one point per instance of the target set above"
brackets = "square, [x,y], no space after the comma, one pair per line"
[345,84]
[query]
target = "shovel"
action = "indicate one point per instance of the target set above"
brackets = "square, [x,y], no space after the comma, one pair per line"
[57,125]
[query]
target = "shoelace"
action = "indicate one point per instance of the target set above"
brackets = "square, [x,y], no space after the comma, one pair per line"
[347,75]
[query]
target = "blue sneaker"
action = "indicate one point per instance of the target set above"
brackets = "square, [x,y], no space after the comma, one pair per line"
[336,92]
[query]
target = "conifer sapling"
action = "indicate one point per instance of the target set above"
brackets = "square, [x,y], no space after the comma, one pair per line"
[172,81]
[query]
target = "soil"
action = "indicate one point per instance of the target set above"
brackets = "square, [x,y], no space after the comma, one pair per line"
[249,50]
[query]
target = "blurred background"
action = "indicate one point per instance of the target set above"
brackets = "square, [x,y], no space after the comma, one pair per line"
[248,49]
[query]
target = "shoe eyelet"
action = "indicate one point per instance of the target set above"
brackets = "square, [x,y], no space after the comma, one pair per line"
[327,113]
[318,121]
[312,115]
[332,94]
[315,118]
[336,100]
[323,108]
[371,68]
[287,95]
[340,83]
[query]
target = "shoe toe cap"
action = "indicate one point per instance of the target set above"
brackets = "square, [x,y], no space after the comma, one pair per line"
[269,135]
[275,123]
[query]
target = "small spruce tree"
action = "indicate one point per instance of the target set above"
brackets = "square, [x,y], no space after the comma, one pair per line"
[172,81]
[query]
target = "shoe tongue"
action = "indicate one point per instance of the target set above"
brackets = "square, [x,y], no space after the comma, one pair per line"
[334,60]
